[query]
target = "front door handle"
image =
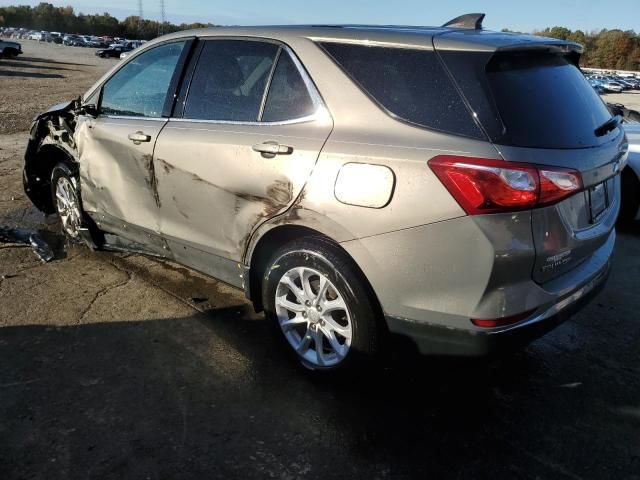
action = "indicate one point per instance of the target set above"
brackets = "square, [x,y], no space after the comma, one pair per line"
[271,149]
[139,137]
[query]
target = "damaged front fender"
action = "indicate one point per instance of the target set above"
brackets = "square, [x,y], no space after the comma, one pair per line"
[51,140]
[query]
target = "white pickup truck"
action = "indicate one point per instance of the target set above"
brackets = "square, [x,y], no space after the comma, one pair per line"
[9,49]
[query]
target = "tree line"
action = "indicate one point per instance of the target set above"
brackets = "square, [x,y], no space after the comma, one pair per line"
[64,19]
[607,49]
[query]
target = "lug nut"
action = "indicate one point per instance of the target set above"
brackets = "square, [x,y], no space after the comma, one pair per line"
[319,308]
[304,314]
[307,303]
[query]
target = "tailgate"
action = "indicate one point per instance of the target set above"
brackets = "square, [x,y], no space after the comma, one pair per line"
[537,108]
[567,233]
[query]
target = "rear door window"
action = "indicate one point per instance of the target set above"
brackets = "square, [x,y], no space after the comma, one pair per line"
[288,97]
[409,84]
[229,80]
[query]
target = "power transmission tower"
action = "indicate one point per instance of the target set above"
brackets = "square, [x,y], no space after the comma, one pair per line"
[162,18]
[140,15]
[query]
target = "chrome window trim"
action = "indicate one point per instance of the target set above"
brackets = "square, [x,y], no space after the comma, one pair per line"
[317,115]
[321,110]
[372,43]
[125,117]
[267,87]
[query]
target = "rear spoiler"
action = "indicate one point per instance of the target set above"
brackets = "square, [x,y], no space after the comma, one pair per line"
[573,51]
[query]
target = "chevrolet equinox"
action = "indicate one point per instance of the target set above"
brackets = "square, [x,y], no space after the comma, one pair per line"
[448,185]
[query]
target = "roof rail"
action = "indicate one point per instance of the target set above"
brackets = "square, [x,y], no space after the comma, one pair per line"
[471,21]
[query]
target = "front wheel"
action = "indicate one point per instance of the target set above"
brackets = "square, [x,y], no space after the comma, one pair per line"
[66,198]
[322,305]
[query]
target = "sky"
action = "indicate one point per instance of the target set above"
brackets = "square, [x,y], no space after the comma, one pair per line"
[513,14]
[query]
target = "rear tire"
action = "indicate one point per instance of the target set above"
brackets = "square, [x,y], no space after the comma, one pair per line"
[322,306]
[630,197]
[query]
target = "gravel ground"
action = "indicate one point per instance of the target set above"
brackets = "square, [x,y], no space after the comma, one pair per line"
[119,366]
[630,99]
[45,75]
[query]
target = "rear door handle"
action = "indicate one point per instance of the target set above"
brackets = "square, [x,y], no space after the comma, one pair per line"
[271,149]
[139,137]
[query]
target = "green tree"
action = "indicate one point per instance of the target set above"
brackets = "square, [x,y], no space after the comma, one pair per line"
[46,16]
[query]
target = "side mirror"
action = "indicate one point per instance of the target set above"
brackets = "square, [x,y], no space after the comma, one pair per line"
[90,110]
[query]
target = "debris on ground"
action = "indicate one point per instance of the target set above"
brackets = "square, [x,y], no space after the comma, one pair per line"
[36,240]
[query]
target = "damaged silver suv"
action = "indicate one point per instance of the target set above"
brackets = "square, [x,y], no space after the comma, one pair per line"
[450,186]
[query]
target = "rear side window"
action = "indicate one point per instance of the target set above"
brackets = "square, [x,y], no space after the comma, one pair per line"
[409,84]
[288,97]
[530,99]
[229,80]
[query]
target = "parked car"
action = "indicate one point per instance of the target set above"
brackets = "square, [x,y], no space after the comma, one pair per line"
[635,83]
[626,85]
[10,49]
[630,210]
[598,86]
[68,40]
[351,205]
[74,41]
[611,86]
[112,52]
[55,37]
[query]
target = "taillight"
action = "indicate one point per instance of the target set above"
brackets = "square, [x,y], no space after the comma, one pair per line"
[500,322]
[482,185]
[558,184]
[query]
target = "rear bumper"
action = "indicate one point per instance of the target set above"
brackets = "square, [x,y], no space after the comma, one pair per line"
[442,341]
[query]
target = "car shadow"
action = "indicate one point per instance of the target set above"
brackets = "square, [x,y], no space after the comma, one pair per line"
[45,60]
[215,395]
[10,73]
[22,64]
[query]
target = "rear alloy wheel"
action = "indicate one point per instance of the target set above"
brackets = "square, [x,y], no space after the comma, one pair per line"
[322,305]
[313,317]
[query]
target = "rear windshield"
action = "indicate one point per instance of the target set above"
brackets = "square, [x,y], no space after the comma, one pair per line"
[538,100]
[410,85]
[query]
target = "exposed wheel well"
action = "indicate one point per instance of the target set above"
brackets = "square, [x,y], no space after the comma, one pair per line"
[38,170]
[265,248]
[272,241]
